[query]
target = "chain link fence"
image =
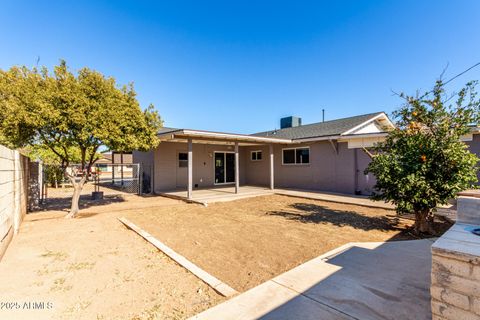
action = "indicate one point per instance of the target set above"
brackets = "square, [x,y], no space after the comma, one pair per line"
[122,177]
[111,179]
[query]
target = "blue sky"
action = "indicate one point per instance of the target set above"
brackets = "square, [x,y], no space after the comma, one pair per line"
[241,66]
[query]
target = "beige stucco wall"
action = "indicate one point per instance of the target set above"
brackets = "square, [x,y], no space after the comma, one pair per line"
[327,171]
[167,174]
[365,182]
[144,158]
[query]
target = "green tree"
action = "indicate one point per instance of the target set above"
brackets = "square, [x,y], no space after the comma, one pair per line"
[54,173]
[70,113]
[423,163]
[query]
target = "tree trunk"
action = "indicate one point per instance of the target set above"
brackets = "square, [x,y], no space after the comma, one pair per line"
[424,222]
[77,190]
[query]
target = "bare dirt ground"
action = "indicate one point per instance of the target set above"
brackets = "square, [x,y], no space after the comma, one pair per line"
[249,241]
[94,268]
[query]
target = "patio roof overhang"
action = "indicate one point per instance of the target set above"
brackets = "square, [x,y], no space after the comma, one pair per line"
[200,136]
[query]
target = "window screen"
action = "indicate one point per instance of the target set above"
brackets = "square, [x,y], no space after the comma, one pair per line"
[302,155]
[289,156]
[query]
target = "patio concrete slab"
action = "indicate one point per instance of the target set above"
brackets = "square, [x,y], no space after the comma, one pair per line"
[218,194]
[383,280]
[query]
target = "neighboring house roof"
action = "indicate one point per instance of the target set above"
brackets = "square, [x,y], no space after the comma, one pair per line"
[321,129]
[104,158]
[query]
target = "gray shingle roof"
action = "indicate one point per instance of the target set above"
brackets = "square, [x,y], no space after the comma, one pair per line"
[319,129]
[166,130]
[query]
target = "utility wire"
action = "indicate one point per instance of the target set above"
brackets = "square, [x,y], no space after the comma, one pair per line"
[462,73]
[451,79]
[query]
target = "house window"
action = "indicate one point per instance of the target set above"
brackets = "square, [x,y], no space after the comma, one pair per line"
[102,167]
[302,155]
[288,156]
[256,155]
[183,160]
[296,156]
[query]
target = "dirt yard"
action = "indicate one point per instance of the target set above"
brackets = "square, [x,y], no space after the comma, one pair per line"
[249,241]
[94,268]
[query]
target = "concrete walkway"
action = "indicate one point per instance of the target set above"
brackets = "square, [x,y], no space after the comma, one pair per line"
[227,193]
[382,280]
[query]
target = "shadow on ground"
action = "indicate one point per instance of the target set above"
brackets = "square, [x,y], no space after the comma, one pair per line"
[63,204]
[312,213]
[353,291]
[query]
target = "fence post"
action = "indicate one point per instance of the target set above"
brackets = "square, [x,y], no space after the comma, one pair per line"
[140,179]
[16,192]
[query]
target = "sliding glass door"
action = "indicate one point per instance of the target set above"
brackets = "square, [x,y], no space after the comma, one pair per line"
[224,167]
[229,167]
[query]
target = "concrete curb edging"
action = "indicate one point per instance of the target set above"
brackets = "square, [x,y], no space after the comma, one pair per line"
[219,286]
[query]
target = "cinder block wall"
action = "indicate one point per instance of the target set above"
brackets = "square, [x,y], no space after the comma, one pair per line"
[13,194]
[455,288]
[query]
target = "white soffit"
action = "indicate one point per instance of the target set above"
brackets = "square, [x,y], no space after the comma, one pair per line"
[372,127]
[366,142]
[381,121]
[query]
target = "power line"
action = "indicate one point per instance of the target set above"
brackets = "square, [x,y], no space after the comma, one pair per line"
[450,80]
[462,73]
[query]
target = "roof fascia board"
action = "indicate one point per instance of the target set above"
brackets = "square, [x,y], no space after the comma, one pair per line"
[324,138]
[229,136]
[361,125]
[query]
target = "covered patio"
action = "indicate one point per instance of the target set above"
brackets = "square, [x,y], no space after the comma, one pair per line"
[214,165]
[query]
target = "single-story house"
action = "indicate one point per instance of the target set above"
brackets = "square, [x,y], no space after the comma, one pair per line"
[119,160]
[324,156]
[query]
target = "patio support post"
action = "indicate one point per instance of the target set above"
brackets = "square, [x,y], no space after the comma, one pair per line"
[271,168]
[190,169]
[237,169]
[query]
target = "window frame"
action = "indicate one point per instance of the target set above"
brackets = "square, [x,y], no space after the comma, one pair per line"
[181,160]
[295,157]
[256,152]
